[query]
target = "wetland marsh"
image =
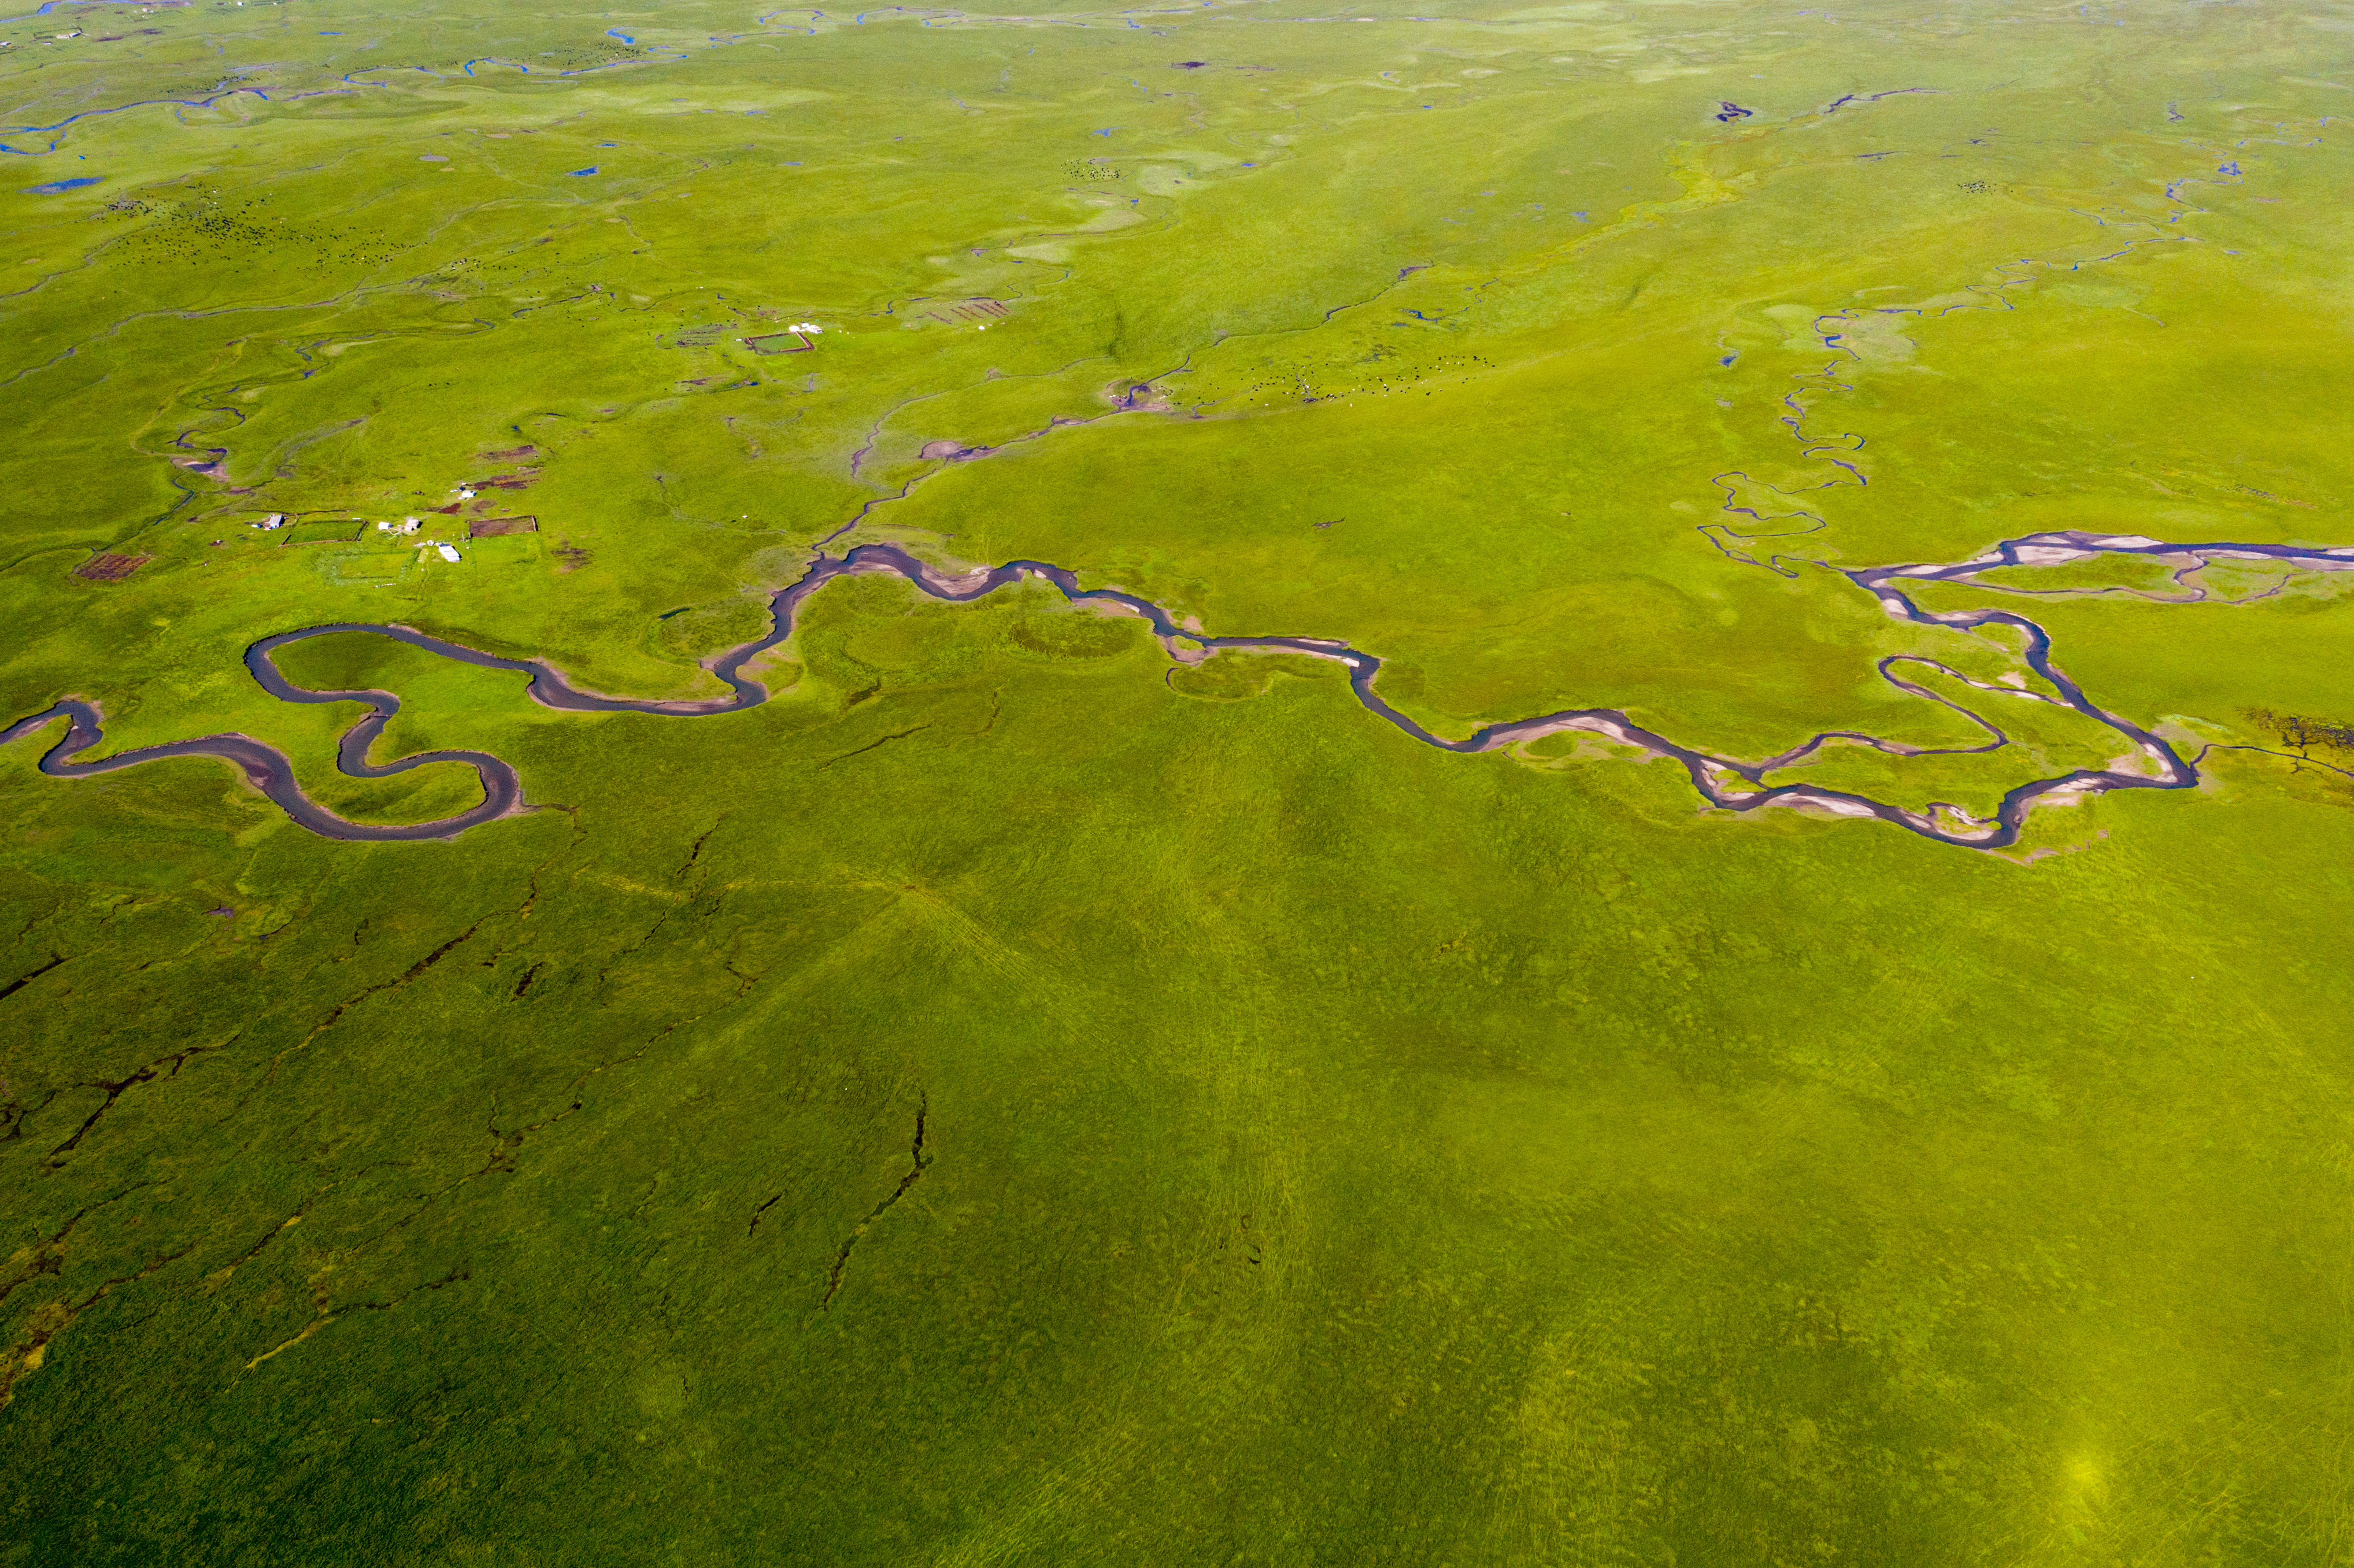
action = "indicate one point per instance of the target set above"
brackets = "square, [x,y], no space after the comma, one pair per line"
[1211,784]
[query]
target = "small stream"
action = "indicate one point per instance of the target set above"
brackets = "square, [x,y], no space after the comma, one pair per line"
[1729,783]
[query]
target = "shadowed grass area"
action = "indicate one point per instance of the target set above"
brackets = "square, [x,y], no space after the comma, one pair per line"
[1524,1131]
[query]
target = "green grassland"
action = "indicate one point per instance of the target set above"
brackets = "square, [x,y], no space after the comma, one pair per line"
[1018,1097]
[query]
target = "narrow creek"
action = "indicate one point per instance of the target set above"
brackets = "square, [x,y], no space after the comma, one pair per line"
[1729,783]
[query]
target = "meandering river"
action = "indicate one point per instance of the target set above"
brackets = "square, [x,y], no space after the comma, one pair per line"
[1730,783]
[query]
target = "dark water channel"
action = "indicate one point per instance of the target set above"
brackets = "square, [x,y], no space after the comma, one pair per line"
[1725,782]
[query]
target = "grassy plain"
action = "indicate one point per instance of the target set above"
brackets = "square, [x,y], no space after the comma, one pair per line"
[1013,1098]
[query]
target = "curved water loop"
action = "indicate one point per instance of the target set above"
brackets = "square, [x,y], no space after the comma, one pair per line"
[1725,782]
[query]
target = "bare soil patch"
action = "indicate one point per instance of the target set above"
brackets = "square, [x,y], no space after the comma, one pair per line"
[489,527]
[107,568]
[952,311]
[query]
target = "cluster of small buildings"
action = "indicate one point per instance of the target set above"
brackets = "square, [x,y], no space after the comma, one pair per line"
[407,525]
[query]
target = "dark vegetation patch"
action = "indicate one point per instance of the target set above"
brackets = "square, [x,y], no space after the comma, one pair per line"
[203,226]
[589,57]
[2302,733]
[1381,370]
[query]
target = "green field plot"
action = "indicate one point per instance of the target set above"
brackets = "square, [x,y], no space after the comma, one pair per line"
[1211,785]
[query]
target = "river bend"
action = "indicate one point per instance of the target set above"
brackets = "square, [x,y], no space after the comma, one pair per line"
[1729,783]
